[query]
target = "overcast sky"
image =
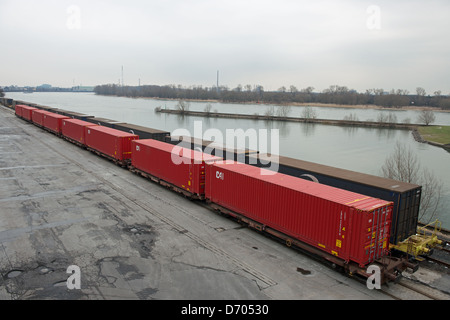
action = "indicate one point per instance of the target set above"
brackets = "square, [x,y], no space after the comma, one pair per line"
[354,43]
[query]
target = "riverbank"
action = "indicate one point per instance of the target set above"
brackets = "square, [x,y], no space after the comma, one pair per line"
[295,104]
[436,135]
[368,106]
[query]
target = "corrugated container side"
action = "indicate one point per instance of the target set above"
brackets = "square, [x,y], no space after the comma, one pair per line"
[181,167]
[336,221]
[406,197]
[110,142]
[53,122]
[19,110]
[27,113]
[74,129]
[38,117]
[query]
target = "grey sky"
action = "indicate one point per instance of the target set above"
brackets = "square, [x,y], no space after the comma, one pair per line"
[354,43]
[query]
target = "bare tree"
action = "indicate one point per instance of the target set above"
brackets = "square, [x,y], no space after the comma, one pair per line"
[431,196]
[208,108]
[407,121]
[183,106]
[403,165]
[270,112]
[382,118]
[421,92]
[308,90]
[283,111]
[427,117]
[387,118]
[392,118]
[2,94]
[293,89]
[308,113]
[351,117]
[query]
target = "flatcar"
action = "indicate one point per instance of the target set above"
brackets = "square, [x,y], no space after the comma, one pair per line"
[350,227]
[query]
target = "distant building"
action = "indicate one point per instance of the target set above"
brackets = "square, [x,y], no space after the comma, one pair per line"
[83,89]
[44,87]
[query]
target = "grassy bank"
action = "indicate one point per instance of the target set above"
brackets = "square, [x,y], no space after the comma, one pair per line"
[437,134]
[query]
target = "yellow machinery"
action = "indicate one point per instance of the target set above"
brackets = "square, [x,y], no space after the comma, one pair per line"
[421,243]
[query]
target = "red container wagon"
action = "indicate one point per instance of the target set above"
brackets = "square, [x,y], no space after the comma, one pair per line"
[179,168]
[18,109]
[74,130]
[27,113]
[111,143]
[53,122]
[38,117]
[350,226]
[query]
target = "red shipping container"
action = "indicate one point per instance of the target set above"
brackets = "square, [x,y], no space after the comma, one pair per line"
[350,226]
[53,122]
[38,117]
[180,167]
[27,112]
[74,129]
[19,110]
[112,143]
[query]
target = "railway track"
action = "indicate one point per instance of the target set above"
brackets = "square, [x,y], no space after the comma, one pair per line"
[438,261]
[423,290]
[408,289]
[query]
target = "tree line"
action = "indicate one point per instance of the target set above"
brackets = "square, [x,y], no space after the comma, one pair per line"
[256,94]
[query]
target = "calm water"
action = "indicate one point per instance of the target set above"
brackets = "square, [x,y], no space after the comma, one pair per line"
[358,149]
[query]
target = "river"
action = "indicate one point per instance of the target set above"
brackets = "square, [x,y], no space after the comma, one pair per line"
[357,149]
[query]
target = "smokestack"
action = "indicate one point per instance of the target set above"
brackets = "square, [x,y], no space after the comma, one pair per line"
[218,81]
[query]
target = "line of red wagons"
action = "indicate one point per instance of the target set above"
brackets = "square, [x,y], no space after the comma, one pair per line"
[349,230]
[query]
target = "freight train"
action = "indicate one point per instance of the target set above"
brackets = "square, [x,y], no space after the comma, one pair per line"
[349,230]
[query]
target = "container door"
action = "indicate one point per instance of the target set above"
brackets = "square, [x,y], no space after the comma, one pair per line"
[343,236]
[380,233]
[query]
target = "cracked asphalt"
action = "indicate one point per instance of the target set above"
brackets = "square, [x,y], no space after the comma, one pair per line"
[132,239]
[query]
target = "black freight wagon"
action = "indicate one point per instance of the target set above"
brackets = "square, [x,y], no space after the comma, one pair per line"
[142,132]
[405,196]
[73,115]
[103,122]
